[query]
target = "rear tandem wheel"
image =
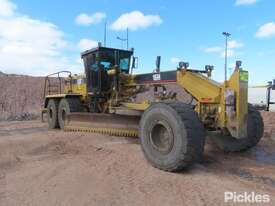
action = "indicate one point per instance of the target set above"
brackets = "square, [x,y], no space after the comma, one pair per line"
[52,114]
[66,106]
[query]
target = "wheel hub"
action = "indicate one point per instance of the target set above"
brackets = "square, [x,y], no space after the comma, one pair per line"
[63,114]
[51,112]
[162,137]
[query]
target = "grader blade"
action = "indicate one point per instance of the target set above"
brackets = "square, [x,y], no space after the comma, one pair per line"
[111,124]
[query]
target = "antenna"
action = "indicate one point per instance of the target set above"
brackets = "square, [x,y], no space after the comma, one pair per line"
[105,33]
[124,39]
[127,38]
[227,35]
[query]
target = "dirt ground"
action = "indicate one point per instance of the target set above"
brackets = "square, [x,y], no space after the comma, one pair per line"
[49,167]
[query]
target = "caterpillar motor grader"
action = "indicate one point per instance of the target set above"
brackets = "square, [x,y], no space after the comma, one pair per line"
[172,133]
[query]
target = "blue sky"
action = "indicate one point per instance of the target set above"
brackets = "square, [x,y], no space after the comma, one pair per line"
[44,36]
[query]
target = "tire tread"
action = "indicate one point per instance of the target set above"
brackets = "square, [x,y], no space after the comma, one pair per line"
[195,137]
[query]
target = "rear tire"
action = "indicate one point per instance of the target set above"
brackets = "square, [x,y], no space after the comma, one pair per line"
[66,106]
[52,116]
[172,136]
[255,129]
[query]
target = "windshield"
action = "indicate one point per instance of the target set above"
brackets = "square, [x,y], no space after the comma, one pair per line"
[106,65]
[106,59]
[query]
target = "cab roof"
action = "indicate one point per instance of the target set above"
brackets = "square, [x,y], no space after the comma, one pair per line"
[100,48]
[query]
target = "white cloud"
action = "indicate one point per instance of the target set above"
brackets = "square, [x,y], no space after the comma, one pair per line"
[245,2]
[230,53]
[213,49]
[86,44]
[7,8]
[135,20]
[31,46]
[266,30]
[175,60]
[233,45]
[86,19]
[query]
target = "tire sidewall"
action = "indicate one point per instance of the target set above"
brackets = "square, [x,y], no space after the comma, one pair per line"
[169,115]
[254,134]
[53,117]
[63,106]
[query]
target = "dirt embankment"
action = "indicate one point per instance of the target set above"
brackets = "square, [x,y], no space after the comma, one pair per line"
[20,97]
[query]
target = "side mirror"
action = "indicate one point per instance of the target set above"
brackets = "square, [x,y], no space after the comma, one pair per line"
[238,64]
[209,69]
[134,63]
[158,64]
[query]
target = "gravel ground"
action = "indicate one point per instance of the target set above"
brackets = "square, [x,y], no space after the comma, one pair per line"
[49,167]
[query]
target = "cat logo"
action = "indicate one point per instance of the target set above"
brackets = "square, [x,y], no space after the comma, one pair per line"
[156,77]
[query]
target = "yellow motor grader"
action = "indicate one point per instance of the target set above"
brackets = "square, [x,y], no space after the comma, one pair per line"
[172,133]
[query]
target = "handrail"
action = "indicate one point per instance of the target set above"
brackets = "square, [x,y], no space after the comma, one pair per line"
[47,79]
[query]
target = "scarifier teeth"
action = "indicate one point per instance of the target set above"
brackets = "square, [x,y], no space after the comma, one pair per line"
[109,131]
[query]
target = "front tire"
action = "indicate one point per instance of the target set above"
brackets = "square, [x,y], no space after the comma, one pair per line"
[172,136]
[255,129]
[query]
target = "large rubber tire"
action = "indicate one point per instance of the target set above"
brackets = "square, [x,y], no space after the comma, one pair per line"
[172,136]
[66,106]
[52,114]
[255,129]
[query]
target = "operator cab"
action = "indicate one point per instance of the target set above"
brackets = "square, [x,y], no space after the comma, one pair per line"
[98,61]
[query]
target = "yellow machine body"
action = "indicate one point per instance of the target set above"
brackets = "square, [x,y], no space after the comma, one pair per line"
[225,103]
[78,86]
[220,106]
[172,133]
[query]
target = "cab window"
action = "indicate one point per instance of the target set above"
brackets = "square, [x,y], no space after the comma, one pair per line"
[106,65]
[124,64]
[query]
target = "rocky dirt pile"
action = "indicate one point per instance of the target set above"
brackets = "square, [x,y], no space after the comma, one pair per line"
[20,97]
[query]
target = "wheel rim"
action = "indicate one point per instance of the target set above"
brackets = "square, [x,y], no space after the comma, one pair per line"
[51,112]
[63,115]
[161,137]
